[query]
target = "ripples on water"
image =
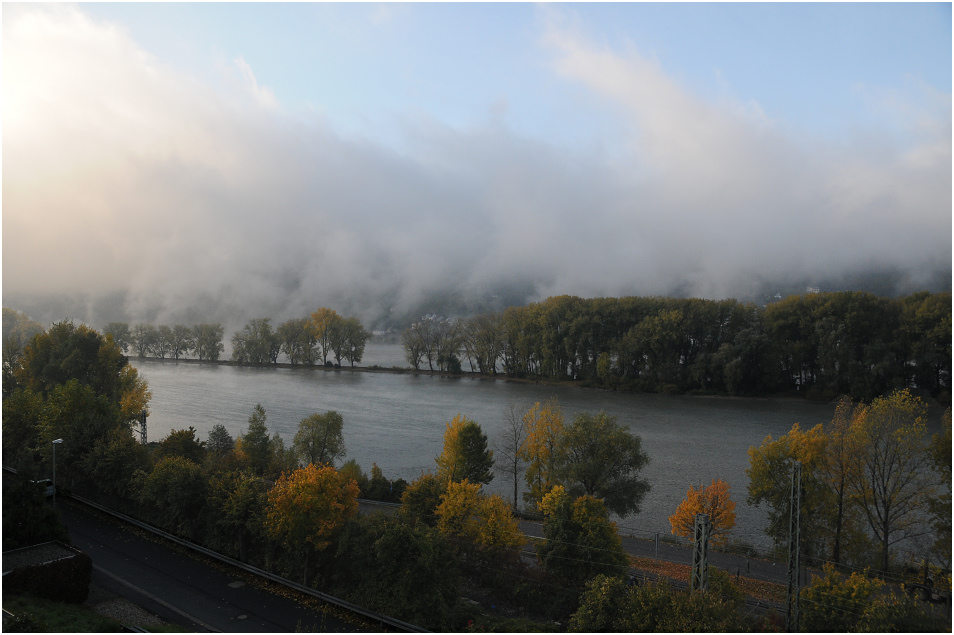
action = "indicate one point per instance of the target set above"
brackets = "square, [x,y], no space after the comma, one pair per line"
[398,422]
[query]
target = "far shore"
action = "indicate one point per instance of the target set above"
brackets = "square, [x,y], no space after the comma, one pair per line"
[569,383]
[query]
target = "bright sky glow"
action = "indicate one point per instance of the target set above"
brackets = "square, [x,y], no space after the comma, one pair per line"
[295,154]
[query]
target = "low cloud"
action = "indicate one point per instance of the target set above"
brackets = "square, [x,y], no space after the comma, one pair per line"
[123,175]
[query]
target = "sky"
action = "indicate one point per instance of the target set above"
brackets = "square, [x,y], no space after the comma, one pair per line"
[263,160]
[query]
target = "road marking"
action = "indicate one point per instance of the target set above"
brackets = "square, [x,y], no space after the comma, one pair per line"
[158,600]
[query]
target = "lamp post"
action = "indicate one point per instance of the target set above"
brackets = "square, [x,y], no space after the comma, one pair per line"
[56,442]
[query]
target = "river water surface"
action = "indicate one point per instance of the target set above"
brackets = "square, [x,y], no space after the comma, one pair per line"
[398,422]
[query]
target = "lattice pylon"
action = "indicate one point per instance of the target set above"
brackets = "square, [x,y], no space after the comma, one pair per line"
[700,553]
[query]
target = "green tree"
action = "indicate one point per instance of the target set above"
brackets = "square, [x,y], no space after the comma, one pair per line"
[143,338]
[924,339]
[67,352]
[175,491]
[280,458]
[296,341]
[70,383]
[238,500]
[112,463]
[580,541]
[465,455]
[22,414]
[120,334]
[254,444]
[220,441]
[421,498]
[406,571]
[182,443]
[256,343]
[319,439]
[380,488]
[598,457]
[75,413]
[162,343]
[482,338]
[207,341]
[354,338]
[181,341]
[606,606]
[19,326]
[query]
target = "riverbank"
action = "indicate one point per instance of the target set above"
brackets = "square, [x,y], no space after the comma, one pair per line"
[536,381]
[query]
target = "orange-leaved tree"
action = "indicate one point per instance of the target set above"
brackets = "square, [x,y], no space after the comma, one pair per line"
[707,499]
[307,507]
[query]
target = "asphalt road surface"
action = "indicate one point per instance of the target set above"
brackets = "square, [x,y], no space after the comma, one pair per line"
[183,590]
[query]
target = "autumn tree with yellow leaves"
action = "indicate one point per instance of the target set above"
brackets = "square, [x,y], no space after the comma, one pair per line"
[540,450]
[713,500]
[484,521]
[770,484]
[867,482]
[891,479]
[307,507]
[465,455]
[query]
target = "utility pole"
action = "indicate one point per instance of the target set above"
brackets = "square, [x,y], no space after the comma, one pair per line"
[791,618]
[700,553]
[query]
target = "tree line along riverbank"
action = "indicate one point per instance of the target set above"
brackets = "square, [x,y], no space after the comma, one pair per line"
[815,345]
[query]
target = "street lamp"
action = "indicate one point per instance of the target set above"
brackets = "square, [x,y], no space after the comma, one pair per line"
[56,442]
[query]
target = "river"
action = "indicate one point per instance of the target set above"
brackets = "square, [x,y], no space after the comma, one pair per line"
[398,421]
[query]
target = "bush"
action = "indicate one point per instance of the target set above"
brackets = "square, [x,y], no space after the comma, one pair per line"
[609,605]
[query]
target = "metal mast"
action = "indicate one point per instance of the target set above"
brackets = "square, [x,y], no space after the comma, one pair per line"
[700,553]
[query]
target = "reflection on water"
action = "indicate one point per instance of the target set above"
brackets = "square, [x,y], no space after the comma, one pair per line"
[398,421]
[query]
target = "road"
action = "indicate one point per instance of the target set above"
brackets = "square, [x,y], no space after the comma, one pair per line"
[184,590]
